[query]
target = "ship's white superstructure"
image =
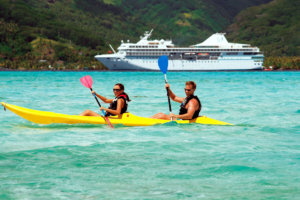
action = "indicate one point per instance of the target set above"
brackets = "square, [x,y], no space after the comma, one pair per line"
[214,54]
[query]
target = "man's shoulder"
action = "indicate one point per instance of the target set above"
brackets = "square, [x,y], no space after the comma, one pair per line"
[193,101]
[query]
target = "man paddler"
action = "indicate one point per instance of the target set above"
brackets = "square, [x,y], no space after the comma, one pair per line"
[190,105]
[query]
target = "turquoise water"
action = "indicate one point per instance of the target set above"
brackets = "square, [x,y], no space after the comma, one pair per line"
[258,158]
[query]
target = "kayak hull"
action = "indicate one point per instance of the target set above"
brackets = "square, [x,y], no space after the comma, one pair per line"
[126,119]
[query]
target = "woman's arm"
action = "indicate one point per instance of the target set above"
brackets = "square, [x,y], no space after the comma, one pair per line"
[105,100]
[120,105]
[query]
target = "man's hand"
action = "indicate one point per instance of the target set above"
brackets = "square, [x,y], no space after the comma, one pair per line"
[173,116]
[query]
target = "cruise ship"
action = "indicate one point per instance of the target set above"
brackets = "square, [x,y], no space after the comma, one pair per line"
[214,54]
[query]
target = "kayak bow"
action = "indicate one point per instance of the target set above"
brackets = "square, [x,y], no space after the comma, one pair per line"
[127,119]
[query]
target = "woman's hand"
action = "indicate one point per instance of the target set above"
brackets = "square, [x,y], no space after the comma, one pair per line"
[102,108]
[93,92]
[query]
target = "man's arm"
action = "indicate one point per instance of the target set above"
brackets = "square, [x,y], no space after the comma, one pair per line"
[192,107]
[173,96]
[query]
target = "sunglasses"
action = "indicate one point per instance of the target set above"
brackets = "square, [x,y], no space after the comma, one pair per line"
[187,90]
[116,90]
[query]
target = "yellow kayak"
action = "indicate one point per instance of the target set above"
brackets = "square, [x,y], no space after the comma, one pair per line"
[127,119]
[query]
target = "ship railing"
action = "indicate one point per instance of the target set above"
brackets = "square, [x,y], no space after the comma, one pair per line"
[188,50]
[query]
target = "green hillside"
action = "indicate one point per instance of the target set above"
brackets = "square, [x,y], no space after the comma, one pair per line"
[186,22]
[274,27]
[84,25]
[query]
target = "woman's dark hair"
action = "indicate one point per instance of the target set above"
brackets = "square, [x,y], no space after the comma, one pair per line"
[123,88]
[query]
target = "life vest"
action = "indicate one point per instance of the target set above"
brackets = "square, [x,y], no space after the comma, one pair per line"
[114,104]
[183,110]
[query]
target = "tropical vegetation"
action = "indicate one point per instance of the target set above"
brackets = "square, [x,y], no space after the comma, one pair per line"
[275,28]
[67,34]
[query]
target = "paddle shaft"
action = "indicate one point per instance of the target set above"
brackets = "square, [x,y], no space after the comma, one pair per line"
[168,94]
[106,118]
[87,82]
[163,66]
[98,102]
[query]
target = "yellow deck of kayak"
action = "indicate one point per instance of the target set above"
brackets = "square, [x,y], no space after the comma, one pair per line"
[127,119]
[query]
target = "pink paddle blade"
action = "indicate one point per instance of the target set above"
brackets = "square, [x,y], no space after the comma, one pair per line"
[87,81]
[108,122]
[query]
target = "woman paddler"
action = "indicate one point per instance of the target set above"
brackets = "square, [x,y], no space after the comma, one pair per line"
[118,105]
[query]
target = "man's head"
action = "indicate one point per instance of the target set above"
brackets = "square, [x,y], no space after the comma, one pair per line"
[190,87]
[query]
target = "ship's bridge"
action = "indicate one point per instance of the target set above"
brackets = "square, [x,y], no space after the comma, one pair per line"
[144,43]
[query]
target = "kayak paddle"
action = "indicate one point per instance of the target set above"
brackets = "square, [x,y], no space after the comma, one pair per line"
[87,82]
[163,65]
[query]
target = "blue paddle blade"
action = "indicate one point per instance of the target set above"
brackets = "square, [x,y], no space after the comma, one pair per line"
[163,64]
